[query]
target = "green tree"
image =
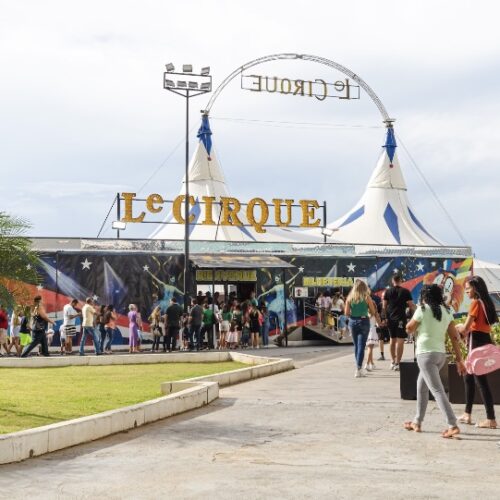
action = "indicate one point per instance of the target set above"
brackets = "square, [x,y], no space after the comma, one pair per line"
[18,262]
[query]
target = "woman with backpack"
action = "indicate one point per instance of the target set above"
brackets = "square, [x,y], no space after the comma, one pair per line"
[39,324]
[477,331]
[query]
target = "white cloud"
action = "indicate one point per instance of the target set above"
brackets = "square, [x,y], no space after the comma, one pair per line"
[81,99]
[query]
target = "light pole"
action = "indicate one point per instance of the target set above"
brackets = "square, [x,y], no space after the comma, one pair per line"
[190,85]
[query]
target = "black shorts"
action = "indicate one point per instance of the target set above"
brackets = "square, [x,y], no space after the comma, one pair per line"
[397,329]
[383,333]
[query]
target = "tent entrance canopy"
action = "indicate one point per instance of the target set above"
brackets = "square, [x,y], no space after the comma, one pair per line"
[235,269]
[238,273]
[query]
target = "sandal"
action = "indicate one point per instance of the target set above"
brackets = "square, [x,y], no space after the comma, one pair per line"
[451,433]
[412,426]
[487,424]
[465,420]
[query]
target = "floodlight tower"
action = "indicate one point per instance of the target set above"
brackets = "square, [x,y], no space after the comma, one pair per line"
[190,85]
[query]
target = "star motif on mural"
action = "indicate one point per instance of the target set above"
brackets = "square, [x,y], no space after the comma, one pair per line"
[395,270]
[95,297]
[433,264]
[86,264]
[28,267]
[420,267]
[145,268]
[351,267]
[301,269]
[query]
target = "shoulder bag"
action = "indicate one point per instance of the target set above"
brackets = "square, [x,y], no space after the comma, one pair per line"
[482,360]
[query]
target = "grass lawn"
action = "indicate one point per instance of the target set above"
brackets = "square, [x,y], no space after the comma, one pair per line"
[31,397]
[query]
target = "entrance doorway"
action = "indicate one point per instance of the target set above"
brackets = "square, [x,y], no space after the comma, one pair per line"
[240,291]
[244,290]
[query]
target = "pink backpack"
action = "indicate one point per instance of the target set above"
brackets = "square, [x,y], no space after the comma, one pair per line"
[482,360]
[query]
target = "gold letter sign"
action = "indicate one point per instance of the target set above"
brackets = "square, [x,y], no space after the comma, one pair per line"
[256,213]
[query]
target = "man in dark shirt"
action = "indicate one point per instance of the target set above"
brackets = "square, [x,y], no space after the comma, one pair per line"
[174,314]
[195,317]
[396,300]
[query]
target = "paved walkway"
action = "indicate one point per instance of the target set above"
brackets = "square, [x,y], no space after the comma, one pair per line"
[315,432]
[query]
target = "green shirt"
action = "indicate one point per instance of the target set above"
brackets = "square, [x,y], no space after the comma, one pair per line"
[359,309]
[208,317]
[431,333]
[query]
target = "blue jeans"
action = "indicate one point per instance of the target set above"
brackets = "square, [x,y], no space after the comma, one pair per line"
[88,330]
[359,330]
[109,339]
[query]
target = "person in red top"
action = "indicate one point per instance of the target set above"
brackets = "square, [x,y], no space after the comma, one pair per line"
[481,316]
[4,324]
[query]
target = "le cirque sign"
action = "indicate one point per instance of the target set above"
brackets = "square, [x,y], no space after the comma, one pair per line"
[228,211]
[317,88]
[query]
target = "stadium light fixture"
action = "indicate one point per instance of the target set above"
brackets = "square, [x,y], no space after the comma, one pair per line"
[187,88]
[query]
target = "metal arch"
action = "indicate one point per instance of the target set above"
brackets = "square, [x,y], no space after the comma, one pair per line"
[321,60]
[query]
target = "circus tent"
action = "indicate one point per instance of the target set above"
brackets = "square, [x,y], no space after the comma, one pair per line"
[490,273]
[383,215]
[207,179]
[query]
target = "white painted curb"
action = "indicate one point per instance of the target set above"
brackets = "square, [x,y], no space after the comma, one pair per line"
[180,397]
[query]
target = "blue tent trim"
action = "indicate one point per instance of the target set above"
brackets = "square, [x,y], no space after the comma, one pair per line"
[419,225]
[196,211]
[391,219]
[355,215]
[390,143]
[204,133]
[244,230]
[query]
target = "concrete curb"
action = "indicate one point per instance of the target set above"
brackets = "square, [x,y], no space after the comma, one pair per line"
[122,359]
[179,397]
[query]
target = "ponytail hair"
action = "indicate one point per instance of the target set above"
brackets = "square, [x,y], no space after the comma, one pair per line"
[432,295]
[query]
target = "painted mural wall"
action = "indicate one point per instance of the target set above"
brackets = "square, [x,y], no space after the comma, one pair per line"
[151,279]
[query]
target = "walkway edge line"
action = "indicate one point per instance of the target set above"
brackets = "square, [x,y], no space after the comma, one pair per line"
[179,397]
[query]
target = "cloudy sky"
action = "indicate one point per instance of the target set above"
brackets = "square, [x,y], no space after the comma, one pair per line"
[84,115]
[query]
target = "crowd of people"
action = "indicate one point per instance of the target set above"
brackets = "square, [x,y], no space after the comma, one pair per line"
[209,323]
[383,322]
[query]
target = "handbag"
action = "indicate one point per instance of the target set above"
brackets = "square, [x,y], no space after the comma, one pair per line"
[482,360]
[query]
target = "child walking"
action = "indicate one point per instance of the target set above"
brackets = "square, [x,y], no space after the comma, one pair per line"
[371,342]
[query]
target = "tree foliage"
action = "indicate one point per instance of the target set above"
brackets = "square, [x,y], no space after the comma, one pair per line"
[18,262]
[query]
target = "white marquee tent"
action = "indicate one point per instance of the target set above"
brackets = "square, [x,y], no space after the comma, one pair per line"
[383,215]
[207,179]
